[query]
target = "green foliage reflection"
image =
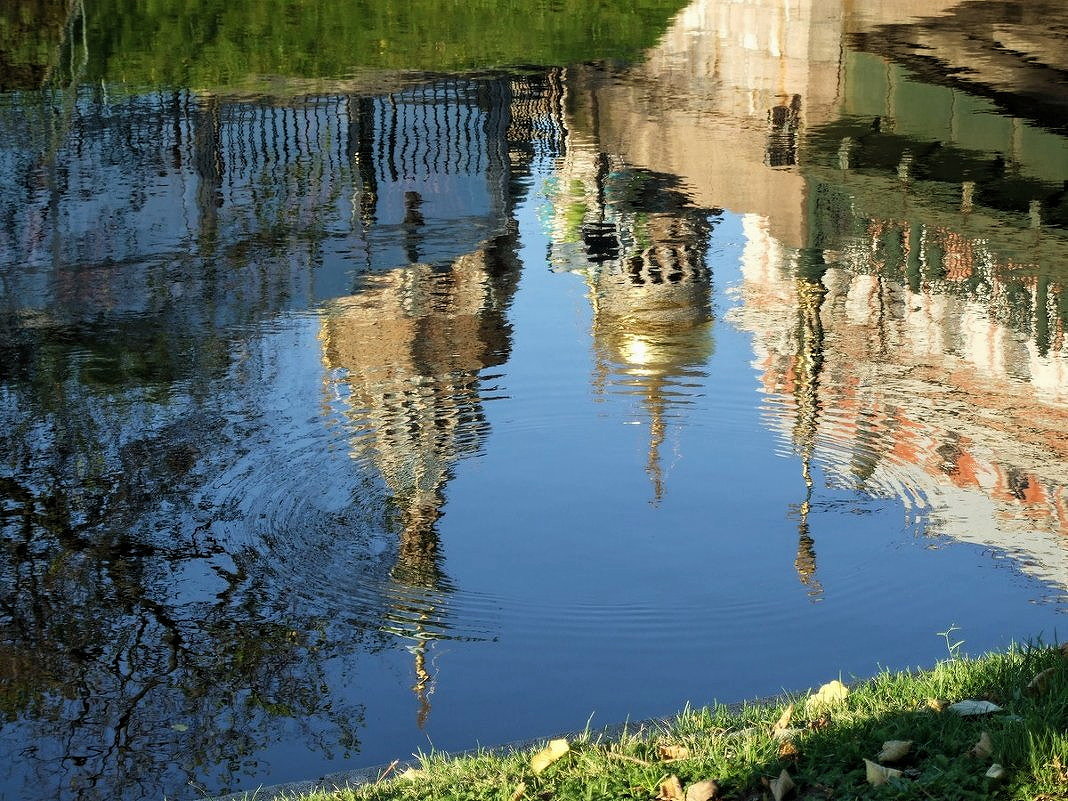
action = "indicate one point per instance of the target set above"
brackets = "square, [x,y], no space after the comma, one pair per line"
[211,43]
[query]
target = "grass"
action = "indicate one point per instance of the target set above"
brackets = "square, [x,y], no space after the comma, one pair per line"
[825,756]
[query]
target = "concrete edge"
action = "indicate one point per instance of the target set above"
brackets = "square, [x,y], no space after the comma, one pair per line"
[367,775]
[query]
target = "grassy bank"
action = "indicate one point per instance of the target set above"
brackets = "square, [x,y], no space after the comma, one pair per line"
[821,746]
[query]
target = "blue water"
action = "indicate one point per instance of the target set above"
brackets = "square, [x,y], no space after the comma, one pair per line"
[342,426]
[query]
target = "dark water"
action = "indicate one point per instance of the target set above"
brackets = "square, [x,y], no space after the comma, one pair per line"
[349,411]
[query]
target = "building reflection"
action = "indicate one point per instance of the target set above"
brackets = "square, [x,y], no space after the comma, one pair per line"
[922,395]
[1008,51]
[407,350]
[640,245]
[138,353]
[924,198]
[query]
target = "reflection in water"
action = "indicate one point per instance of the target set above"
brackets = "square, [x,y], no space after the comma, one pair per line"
[131,632]
[407,351]
[1011,52]
[195,564]
[850,171]
[924,395]
[143,614]
[808,371]
[274,48]
[640,245]
[408,348]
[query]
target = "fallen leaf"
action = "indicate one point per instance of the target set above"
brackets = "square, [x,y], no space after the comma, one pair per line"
[831,693]
[983,749]
[179,727]
[968,708]
[1060,769]
[702,791]
[877,774]
[411,773]
[785,734]
[1040,683]
[893,750]
[548,755]
[671,752]
[936,704]
[822,722]
[789,750]
[784,719]
[671,789]
[520,791]
[995,771]
[781,786]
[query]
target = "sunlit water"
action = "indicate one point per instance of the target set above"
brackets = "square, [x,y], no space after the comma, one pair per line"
[403,412]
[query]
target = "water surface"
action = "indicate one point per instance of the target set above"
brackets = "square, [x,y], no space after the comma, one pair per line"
[423,388]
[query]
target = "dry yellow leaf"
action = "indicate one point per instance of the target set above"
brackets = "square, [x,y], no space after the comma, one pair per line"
[789,750]
[893,750]
[411,773]
[548,755]
[1059,768]
[831,693]
[788,733]
[781,786]
[995,771]
[1040,683]
[937,704]
[702,791]
[670,752]
[520,791]
[784,719]
[877,774]
[671,789]
[984,748]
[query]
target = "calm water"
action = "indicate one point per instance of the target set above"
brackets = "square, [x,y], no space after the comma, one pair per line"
[350,410]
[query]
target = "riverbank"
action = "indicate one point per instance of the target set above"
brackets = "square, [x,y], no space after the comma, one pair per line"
[990,727]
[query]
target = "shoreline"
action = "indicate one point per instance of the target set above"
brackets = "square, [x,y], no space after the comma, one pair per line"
[360,776]
[987,727]
[356,777]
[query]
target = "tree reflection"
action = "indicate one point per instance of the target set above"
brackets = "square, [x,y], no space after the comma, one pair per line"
[144,612]
[129,634]
[151,585]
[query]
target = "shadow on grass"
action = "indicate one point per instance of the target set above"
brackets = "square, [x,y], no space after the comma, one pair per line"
[825,756]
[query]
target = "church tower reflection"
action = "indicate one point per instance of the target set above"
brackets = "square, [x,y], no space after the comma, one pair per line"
[808,367]
[407,352]
[407,348]
[640,244]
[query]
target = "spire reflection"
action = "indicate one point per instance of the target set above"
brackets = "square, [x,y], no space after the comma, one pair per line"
[640,246]
[407,349]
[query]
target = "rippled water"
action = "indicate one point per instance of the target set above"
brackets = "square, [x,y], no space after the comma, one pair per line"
[657,357]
